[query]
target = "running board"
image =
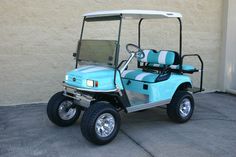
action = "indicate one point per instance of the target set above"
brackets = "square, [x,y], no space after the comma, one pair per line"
[146,106]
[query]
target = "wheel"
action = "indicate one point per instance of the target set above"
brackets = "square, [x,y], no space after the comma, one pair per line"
[62,111]
[181,107]
[100,123]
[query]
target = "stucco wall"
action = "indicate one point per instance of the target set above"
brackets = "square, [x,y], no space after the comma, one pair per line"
[38,37]
[229,49]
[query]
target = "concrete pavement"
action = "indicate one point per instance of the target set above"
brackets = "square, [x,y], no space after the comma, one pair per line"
[26,131]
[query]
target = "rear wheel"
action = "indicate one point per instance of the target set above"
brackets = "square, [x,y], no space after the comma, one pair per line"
[62,111]
[181,107]
[100,123]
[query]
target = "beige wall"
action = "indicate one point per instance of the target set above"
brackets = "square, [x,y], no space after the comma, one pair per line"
[228,76]
[38,37]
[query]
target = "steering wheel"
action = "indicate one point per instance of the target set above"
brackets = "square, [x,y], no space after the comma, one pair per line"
[138,52]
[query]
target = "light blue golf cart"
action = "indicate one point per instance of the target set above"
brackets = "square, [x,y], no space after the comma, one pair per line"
[101,85]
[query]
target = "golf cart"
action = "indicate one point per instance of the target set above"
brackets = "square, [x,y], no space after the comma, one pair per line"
[101,86]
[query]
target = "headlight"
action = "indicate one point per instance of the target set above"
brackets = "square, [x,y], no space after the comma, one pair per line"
[66,77]
[90,83]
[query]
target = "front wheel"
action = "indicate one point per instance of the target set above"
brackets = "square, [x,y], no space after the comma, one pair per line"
[62,111]
[181,107]
[100,123]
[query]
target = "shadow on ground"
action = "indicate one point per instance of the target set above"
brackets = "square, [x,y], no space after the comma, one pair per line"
[26,131]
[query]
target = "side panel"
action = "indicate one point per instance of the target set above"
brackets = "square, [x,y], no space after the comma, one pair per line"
[136,86]
[165,90]
[159,91]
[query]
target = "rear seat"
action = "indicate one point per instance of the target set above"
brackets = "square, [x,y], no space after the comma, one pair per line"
[161,57]
[157,59]
[164,58]
[185,67]
[175,67]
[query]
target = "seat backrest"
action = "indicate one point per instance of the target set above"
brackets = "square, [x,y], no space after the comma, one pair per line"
[162,57]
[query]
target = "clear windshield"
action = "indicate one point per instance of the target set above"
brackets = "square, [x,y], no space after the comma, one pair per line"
[98,51]
[98,45]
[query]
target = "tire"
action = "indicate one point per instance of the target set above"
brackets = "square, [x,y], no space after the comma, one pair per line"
[99,110]
[56,109]
[181,108]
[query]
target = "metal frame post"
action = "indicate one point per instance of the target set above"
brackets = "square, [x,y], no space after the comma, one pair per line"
[139,36]
[79,43]
[117,50]
[180,43]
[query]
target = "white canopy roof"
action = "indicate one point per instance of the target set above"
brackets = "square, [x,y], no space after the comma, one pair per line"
[134,14]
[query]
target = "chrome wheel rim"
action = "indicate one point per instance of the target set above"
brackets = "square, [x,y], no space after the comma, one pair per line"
[185,107]
[65,111]
[105,125]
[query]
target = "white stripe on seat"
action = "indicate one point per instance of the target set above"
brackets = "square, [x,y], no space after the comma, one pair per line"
[162,57]
[94,69]
[146,52]
[174,66]
[126,72]
[156,65]
[141,76]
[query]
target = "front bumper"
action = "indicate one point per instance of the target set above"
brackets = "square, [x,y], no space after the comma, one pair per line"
[88,89]
[80,94]
[79,97]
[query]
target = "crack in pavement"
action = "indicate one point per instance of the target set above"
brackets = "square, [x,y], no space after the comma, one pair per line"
[138,144]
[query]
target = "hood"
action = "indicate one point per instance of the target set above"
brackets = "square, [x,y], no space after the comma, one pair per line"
[103,75]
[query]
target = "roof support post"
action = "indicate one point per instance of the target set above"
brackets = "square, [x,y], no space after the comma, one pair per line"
[180,37]
[139,31]
[79,43]
[139,36]
[117,50]
[180,42]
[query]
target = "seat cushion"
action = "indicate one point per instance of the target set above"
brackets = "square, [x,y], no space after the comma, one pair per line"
[158,57]
[140,75]
[185,67]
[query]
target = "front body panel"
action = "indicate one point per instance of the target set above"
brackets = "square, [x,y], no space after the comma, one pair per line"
[103,75]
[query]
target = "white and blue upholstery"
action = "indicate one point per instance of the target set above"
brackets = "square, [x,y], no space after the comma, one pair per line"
[158,57]
[150,57]
[163,58]
[140,75]
[185,67]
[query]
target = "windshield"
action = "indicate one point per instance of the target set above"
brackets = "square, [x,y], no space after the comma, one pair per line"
[98,45]
[98,51]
